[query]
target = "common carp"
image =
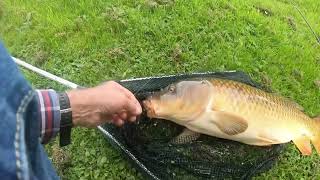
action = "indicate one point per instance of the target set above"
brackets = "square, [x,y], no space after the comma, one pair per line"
[235,111]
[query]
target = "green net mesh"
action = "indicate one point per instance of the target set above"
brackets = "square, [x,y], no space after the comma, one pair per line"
[147,143]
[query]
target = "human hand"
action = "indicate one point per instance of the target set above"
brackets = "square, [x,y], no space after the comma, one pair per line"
[109,102]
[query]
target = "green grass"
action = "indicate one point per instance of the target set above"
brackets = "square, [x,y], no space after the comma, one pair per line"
[92,41]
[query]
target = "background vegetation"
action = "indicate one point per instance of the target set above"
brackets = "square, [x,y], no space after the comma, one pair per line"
[93,41]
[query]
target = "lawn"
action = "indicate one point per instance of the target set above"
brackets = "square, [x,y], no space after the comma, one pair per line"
[89,42]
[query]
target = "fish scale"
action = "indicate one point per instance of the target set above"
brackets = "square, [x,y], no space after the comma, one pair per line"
[253,98]
[236,111]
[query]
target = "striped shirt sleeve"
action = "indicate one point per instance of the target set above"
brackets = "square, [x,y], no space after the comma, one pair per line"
[49,114]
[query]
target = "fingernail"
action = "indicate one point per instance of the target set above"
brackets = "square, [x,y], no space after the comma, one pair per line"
[132,119]
[138,110]
[119,123]
[123,115]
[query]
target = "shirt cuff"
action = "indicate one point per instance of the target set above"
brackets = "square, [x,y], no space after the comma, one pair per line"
[49,114]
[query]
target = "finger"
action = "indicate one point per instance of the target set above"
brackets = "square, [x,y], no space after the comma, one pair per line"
[130,107]
[132,118]
[117,121]
[115,117]
[131,97]
[123,115]
[128,93]
[138,108]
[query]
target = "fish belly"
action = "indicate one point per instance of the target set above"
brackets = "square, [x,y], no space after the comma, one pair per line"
[260,135]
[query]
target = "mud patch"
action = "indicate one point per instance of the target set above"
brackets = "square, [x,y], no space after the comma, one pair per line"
[176,53]
[317,83]
[297,74]
[61,159]
[41,57]
[264,11]
[165,2]
[292,24]
[152,4]
[266,80]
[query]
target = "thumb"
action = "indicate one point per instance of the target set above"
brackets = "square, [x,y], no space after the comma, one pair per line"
[132,107]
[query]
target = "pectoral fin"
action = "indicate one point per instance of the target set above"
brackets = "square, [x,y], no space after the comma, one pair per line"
[316,144]
[303,144]
[228,123]
[185,137]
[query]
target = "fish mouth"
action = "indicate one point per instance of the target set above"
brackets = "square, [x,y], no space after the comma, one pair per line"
[149,107]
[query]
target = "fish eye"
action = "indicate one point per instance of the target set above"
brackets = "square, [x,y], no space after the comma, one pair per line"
[171,88]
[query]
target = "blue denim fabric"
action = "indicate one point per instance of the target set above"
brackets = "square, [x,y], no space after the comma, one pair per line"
[21,154]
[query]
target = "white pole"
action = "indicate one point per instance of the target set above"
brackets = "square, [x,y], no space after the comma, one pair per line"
[45,73]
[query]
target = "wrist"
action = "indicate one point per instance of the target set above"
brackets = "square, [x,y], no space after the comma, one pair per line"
[75,104]
[82,109]
[66,119]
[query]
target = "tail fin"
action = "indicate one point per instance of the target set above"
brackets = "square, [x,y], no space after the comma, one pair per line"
[303,142]
[316,139]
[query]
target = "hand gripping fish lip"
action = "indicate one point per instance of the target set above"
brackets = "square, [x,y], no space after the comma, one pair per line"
[149,108]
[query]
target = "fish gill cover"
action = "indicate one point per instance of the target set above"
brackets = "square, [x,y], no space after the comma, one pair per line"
[147,142]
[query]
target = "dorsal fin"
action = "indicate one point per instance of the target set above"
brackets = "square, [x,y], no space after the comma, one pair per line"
[291,103]
[298,106]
